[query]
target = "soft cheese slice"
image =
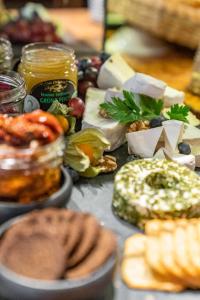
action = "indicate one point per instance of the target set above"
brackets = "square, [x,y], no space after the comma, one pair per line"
[113,130]
[110,93]
[173,132]
[114,72]
[145,85]
[172,96]
[143,143]
[191,136]
[186,160]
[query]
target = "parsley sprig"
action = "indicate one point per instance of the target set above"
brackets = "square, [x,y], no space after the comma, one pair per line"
[140,107]
[179,112]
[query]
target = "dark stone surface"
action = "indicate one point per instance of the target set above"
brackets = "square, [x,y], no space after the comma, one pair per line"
[95,196]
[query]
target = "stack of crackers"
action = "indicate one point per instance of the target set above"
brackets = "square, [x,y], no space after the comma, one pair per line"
[54,244]
[166,257]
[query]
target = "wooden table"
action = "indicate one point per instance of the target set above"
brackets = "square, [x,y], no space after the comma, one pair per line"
[79,24]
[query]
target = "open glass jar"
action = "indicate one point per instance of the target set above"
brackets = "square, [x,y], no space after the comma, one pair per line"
[50,74]
[6,55]
[30,174]
[12,93]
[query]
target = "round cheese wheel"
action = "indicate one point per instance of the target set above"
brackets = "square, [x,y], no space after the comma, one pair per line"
[155,189]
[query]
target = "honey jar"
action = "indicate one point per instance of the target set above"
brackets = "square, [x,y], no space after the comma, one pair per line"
[50,74]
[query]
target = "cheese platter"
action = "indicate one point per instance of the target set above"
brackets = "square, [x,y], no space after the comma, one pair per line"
[131,146]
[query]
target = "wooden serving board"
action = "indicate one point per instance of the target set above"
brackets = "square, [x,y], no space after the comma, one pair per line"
[175,68]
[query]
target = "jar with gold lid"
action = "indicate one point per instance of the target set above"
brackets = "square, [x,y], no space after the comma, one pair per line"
[50,74]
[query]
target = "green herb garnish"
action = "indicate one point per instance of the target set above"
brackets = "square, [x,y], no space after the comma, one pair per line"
[134,108]
[129,110]
[179,112]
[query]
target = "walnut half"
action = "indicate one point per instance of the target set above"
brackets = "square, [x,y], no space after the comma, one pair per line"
[138,125]
[103,113]
[107,163]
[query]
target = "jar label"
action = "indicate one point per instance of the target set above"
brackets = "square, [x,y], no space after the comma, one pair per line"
[45,93]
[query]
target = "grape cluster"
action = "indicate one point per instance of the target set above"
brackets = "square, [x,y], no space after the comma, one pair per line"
[88,69]
[25,31]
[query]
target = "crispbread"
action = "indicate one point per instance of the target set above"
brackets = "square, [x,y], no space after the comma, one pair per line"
[181,255]
[33,254]
[105,246]
[193,244]
[174,254]
[153,255]
[136,272]
[76,230]
[134,245]
[89,237]
[166,242]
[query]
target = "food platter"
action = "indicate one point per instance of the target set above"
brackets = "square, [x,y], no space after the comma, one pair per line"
[95,195]
[131,146]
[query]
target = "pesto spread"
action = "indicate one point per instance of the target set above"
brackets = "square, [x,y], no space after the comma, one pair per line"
[148,189]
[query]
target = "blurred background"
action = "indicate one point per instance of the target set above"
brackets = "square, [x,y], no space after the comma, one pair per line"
[159,38]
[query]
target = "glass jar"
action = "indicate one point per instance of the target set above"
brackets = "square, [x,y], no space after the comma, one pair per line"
[12,93]
[50,74]
[6,55]
[30,174]
[194,86]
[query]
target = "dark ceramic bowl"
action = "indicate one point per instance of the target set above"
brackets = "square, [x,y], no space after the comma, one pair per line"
[9,210]
[17,287]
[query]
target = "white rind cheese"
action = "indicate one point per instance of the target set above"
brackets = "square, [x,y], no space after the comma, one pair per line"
[145,85]
[110,93]
[191,136]
[113,130]
[114,72]
[184,160]
[172,96]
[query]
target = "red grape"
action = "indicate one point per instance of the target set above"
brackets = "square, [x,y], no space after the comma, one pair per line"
[83,86]
[91,74]
[77,106]
[96,62]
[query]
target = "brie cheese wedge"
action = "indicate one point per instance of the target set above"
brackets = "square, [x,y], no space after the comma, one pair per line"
[110,93]
[113,130]
[185,160]
[172,96]
[114,72]
[145,85]
[191,136]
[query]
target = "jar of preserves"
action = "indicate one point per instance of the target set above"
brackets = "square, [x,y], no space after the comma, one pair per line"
[194,86]
[6,55]
[31,154]
[12,93]
[50,74]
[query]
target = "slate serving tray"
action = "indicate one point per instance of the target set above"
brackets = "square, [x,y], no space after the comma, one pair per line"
[95,196]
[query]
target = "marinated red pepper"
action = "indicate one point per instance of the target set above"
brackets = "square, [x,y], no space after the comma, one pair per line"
[31,148]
